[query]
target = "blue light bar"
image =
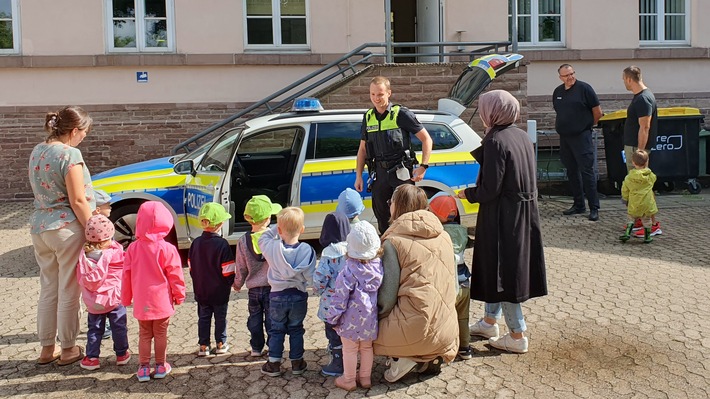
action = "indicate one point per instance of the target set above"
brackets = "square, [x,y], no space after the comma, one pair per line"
[307,104]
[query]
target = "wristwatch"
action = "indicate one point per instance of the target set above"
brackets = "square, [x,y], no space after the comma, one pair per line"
[424,165]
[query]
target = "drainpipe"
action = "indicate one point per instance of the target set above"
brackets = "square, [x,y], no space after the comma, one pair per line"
[514,27]
[388,31]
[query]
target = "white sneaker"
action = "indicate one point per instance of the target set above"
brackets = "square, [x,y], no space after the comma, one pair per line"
[479,330]
[510,344]
[399,369]
[256,353]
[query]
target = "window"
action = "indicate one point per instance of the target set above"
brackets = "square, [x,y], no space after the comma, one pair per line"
[9,41]
[276,23]
[140,25]
[663,21]
[219,155]
[540,22]
[342,139]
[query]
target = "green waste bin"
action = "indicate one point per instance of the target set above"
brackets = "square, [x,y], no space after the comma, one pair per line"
[675,154]
[704,150]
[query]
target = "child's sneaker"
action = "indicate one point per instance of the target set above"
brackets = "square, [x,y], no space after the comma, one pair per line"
[655,230]
[90,363]
[638,225]
[483,330]
[204,350]
[162,370]
[143,373]
[466,353]
[121,360]
[272,369]
[221,348]
[257,353]
[298,367]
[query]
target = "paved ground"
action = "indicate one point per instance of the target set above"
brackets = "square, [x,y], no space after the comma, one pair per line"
[621,321]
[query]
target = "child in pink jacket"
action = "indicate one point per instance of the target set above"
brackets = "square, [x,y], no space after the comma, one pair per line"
[99,274]
[153,280]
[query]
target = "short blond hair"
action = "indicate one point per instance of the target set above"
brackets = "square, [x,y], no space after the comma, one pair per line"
[290,221]
[381,80]
[640,158]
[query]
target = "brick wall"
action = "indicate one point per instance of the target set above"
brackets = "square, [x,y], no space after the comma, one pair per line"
[124,134]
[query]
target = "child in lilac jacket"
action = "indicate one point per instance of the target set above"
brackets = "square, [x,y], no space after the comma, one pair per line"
[153,280]
[99,273]
[353,308]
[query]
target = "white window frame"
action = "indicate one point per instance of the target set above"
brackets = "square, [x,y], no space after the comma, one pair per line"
[661,26]
[276,30]
[14,6]
[140,19]
[535,28]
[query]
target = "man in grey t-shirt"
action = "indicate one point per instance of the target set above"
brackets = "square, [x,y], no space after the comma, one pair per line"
[641,116]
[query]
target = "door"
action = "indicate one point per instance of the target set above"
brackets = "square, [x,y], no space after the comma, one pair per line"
[416,21]
[207,182]
[429,27]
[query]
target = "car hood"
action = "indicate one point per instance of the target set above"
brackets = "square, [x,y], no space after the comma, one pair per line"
[141,176]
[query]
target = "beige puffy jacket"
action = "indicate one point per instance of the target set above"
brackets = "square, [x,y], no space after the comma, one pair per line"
[423,324]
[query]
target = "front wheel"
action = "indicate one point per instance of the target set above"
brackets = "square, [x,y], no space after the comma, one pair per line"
[124,220]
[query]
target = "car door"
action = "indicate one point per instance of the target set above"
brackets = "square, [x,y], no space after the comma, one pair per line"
[206,183]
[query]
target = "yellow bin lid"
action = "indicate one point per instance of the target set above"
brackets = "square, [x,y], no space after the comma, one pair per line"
[662,113]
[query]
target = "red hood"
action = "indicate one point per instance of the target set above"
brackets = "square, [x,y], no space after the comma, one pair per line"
[153,222]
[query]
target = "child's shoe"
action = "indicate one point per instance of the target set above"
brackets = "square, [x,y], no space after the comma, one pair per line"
[272,369]
[143,373]
[627,233]
[121,360]
[655,230]
[363,381]
[298,367]
[203,351]
[335,367]
[342,384]
[162,370]
[90,363]
[465,353]
[647,235]
[221,348]
[257,353]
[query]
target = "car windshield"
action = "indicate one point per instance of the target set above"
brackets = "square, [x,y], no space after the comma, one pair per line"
[201,150]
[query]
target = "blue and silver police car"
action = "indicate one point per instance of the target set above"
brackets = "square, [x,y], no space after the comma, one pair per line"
[302,159]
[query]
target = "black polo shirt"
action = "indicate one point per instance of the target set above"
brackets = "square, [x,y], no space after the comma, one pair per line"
[643,104]
[574,108]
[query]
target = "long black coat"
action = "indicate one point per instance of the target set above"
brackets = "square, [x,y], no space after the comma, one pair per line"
[508,259]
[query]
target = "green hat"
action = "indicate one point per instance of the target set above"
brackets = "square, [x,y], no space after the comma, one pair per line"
[214,212]
[260,207]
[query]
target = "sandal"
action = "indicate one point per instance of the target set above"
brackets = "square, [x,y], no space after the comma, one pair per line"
[66,362]
[49,360]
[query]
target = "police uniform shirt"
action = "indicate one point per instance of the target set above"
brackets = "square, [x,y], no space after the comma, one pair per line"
[574,108]
[406,120]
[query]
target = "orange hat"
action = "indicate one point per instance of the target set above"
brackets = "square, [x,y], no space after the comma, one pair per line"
[444,207]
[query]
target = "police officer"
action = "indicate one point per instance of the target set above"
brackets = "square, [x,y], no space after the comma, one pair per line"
[385,146]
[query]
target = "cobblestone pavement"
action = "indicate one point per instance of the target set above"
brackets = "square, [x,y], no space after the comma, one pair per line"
[621,321]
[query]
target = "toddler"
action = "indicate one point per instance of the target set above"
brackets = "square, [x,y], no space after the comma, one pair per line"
[103,207]
[211,265]
[252,270]
[153,280]
[336,227]
[291,265]
[445,209]
[353,310]
[637,194]
[350,203]
[99,273]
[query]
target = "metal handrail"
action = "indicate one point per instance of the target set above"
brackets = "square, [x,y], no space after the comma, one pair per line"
[344,64]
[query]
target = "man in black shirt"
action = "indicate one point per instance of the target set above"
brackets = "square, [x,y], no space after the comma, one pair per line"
[641,117]
[386,148]
[578,110]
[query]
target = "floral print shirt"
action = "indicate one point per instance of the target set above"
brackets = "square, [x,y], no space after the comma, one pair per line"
[49,166]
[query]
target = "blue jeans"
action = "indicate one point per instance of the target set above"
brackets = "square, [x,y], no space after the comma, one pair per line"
[513,313]
[97,326]
[287,313]
[204,323]
[333,337]
[258,320]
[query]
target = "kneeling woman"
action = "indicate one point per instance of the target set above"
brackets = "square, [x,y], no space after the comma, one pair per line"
[418,320]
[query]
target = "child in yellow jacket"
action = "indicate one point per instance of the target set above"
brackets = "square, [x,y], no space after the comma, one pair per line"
[637,194]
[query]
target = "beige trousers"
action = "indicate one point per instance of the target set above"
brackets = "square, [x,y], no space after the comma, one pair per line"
[58,310]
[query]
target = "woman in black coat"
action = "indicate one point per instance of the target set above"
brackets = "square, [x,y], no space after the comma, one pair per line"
[508,260]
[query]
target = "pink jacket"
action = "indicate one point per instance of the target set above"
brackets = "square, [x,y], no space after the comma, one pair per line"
[152,271]
[100,280]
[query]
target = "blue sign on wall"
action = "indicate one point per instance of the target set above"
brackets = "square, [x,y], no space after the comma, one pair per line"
[142,77]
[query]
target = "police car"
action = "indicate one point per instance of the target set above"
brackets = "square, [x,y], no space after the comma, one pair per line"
[302,158]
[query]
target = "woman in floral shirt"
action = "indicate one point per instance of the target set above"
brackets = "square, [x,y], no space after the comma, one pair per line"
[64,201]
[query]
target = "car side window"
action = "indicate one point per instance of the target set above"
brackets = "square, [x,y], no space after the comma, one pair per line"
[218,157]
[270,142]
[334,139]
[442,136]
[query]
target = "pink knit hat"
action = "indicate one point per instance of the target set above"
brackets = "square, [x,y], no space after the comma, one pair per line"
[99,228]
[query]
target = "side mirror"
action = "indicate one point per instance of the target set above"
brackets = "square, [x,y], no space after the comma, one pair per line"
[186,167]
